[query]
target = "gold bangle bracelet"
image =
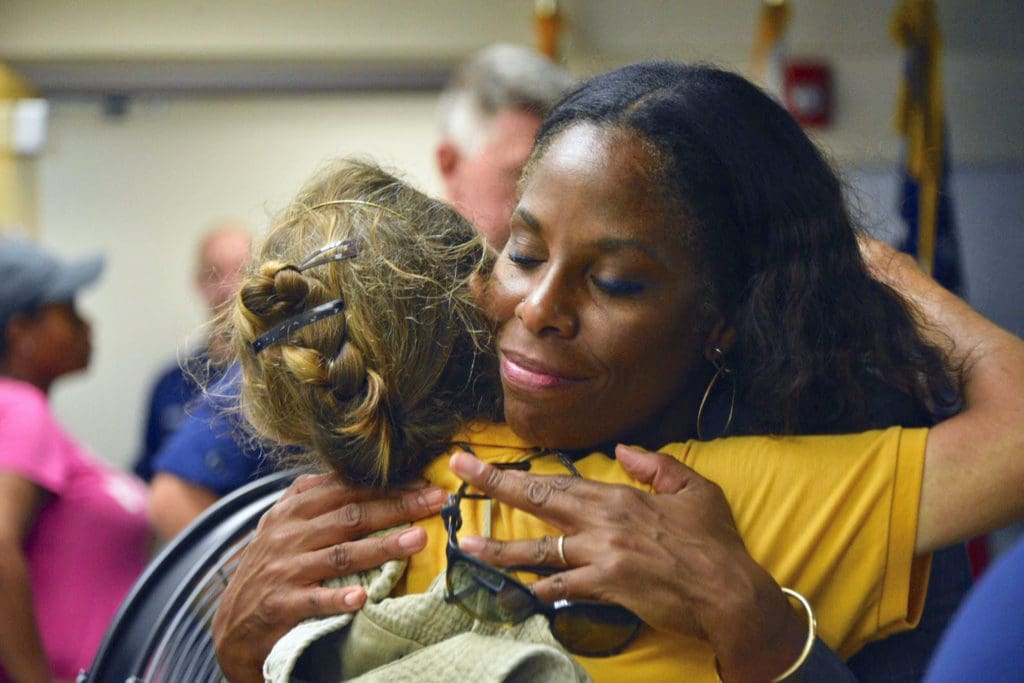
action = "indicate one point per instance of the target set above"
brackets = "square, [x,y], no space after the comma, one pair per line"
[812,629]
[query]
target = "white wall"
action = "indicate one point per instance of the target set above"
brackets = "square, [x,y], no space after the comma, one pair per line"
[141,188]
[984,55]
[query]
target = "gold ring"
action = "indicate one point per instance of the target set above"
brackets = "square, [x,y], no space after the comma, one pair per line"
[561,551]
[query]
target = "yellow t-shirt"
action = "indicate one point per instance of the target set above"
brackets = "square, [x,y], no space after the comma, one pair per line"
[833,517]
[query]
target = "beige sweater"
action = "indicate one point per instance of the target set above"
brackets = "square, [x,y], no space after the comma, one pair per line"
[417,637]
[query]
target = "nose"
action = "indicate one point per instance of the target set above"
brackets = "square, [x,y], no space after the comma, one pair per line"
[548,307]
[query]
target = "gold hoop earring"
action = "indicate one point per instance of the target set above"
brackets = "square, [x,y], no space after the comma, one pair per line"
[720,369]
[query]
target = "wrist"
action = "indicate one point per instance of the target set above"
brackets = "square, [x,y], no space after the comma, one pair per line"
[757,634]
[793,670]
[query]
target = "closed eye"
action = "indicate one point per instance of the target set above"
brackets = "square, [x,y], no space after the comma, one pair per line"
[524,261]
[618,287]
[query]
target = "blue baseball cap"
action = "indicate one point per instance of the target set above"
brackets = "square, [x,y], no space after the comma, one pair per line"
[31,276]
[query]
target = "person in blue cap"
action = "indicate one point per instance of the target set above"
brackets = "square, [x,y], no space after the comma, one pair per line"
[73,531]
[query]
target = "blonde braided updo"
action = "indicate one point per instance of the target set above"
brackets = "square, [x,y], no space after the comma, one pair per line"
[378,390]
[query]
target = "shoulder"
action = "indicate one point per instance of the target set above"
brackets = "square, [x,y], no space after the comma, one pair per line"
[798,447]
[173,383]
[17,395]
[206,450]
[24,411]
[33,443]
[874,460]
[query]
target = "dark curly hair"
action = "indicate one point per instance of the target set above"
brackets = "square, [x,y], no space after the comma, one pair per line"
[816,335]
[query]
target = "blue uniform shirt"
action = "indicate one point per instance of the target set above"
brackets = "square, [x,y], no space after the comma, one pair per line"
[209,448]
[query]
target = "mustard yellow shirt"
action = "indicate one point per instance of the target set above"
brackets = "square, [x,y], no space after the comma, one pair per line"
[833,517]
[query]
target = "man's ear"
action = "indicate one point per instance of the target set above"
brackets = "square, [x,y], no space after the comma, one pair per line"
[722,337]
[447,158]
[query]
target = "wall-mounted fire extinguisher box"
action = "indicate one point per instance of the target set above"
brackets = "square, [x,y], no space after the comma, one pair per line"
[807,92]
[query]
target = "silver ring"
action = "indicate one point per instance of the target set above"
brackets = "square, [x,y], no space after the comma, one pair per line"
[561,551]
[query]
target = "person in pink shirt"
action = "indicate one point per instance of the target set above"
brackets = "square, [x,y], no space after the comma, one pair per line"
[73,531]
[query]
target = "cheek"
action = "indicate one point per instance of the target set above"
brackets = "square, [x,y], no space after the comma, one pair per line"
[657,351]
[504,291]
[647,346]
[496,199]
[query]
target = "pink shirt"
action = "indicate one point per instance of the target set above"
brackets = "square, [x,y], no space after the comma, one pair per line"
[90,541]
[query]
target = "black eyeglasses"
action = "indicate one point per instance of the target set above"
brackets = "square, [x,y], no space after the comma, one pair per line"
[591,629]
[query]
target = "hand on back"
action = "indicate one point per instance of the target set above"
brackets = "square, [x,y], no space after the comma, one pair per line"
[316,531]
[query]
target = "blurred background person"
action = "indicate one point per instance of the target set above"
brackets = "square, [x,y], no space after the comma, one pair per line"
[488,115]
[207,458]
[194,454]
[221,257]
[986,636]
[73,532]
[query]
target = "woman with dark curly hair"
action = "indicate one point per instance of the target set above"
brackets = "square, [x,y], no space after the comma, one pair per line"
[678,236]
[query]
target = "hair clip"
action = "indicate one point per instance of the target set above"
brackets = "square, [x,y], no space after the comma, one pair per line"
[359,202]
[343,249]
[283,330]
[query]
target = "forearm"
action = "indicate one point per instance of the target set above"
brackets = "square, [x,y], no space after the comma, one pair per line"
[174,503]
[21,648]
[974,465]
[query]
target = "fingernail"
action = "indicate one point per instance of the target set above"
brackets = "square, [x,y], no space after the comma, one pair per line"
[465,465]
[352,598]
[410,539]
[433,496]
[472,544]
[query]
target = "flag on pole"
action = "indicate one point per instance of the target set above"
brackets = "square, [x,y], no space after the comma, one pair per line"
[768,60]
[547,21]
[925,203]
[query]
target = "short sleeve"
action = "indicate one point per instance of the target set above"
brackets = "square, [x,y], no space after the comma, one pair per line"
[205,451]
[833,517]
[31,442]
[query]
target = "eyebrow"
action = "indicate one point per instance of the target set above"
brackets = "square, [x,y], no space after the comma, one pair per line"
[607,244]
[528,218]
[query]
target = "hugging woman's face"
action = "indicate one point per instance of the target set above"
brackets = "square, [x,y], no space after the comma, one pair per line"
[595,299]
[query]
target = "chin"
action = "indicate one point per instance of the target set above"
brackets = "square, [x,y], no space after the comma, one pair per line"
[81,365]
[545,430]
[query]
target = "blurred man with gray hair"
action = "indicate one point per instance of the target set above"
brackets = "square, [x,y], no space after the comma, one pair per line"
[489,114]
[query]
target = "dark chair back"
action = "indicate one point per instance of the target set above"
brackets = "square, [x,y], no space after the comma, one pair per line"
[162,630]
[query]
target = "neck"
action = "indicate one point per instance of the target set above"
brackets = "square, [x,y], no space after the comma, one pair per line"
[22,375]
[678,421]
